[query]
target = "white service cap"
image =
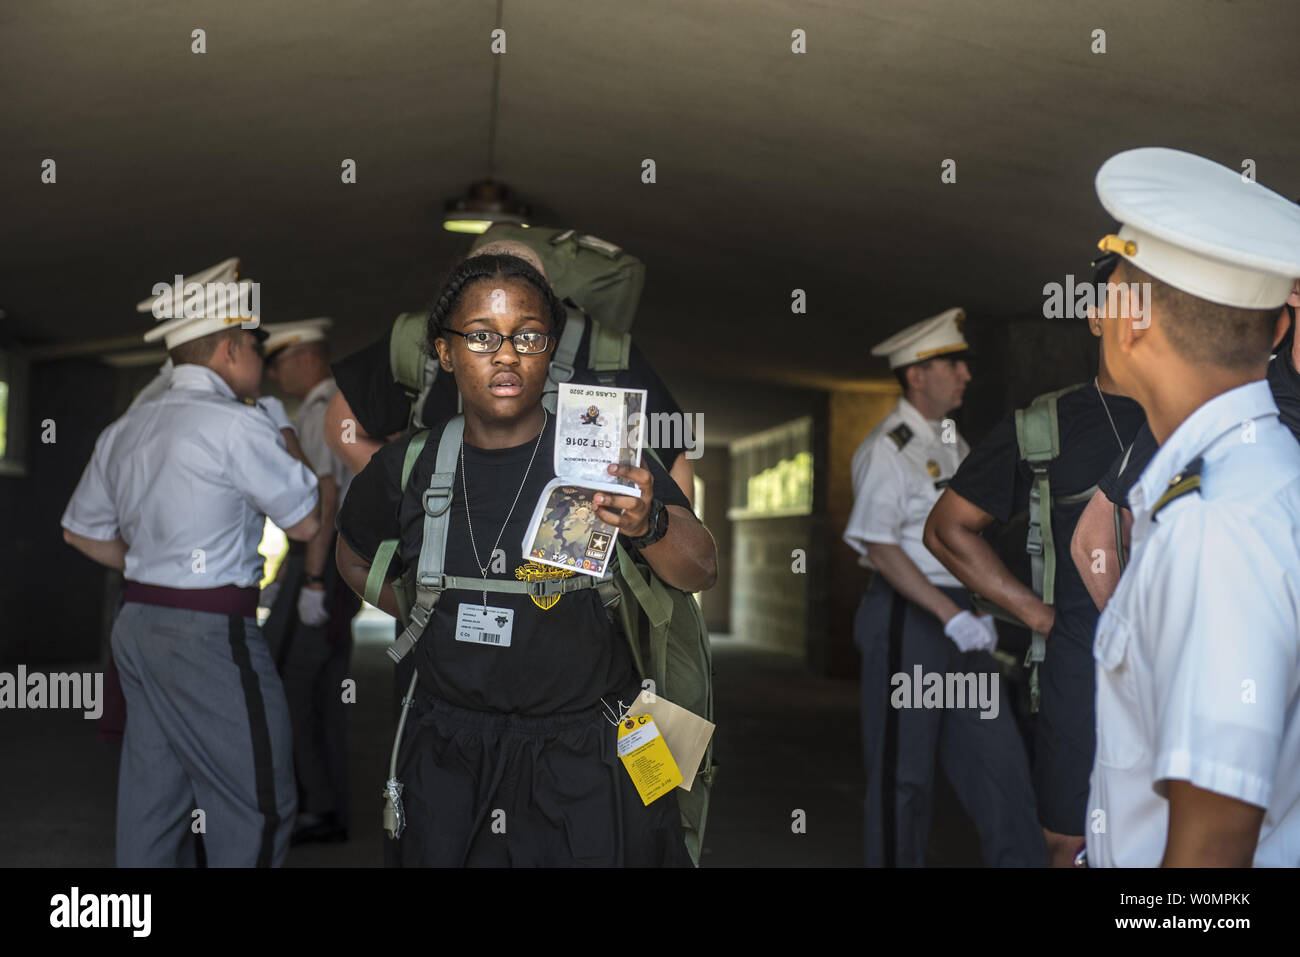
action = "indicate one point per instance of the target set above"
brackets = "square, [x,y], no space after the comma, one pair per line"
[199,305]
[1201,227]
[280,335]
[937,336]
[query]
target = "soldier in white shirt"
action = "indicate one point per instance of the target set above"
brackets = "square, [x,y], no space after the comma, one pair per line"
[310,627]
[1198,650]
[916,616]
[175,496]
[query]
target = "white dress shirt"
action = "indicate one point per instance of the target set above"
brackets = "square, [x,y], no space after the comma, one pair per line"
[186,479]
[894,488]
[159,384]
[309,423]
[1198,652]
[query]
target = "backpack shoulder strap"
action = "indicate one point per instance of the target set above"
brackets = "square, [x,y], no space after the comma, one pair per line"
[388,548]
[1038,431]
[429,584]
[1038,441]
[609,352]
[562,365]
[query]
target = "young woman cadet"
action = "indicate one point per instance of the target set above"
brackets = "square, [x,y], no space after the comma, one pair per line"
[512,759]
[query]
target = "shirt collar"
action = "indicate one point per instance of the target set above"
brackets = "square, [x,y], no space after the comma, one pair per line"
[1197,433]
[200,379]
[913,417]
[319,390]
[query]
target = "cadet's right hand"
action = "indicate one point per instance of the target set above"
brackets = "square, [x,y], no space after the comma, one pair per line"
[971,632]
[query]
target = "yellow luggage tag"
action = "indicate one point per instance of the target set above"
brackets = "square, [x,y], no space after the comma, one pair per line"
[686,733]
[645,754]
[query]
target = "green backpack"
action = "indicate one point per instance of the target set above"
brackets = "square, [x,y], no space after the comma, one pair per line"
[583,269]
[663,625]
[1038,441]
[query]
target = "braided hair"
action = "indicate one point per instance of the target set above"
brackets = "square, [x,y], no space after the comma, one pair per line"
[483,268]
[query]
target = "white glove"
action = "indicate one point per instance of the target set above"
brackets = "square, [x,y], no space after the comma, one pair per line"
[267,598]
[311,607]
[971,632]
[275,409]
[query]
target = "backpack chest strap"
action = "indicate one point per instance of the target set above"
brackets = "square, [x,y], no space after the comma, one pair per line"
[429,588]
[538,589]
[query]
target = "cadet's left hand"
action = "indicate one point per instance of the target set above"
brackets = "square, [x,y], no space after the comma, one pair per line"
[274,408]
[311,607]
[635,518]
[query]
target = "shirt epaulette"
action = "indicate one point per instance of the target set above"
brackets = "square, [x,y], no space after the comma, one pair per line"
[1185,482]
[901,435]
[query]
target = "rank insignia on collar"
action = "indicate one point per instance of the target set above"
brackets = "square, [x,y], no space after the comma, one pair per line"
[933,468]
[536,572]
[901,435]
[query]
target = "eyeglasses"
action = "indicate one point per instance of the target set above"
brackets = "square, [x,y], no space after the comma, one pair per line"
[525,343]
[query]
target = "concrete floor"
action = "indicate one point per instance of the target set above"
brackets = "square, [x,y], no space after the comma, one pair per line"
[786,741]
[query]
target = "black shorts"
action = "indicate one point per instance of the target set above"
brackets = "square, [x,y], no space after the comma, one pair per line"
[1065,738]
[483,789]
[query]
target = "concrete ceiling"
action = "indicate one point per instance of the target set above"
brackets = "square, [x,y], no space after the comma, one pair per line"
[776,171]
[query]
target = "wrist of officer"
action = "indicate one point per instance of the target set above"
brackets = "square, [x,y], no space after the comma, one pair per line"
[314,582]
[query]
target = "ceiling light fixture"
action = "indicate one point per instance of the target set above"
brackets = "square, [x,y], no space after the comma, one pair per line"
[486,202]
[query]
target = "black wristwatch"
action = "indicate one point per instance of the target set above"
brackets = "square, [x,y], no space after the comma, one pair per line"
[658,526]
[314,579]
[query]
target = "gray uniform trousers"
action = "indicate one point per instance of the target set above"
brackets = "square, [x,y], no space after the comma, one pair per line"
[207,727]
[984,758]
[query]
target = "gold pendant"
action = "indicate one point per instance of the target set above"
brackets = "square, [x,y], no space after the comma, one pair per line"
[536,572]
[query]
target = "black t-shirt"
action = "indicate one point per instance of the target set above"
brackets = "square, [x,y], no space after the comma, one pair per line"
[383,407]
[559,659]
[1126,469]
[994,478]
[1283,380]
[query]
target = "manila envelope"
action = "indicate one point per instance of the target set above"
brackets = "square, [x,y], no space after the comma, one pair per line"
[685,733]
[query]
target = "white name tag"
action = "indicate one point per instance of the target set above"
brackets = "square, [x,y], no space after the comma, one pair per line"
[484,626]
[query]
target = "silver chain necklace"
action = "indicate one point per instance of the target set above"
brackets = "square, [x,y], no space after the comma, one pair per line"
[483,569]
[1097,385]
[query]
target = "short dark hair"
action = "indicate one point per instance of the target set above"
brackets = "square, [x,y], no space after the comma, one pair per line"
[1204,332]
[200,351]
[485,267]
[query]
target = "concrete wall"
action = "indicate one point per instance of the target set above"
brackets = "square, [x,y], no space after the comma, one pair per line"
[769,603]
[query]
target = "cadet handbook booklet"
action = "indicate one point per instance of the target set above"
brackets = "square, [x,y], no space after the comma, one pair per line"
[595,426]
